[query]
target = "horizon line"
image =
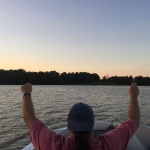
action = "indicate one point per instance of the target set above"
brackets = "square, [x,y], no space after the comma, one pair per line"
[107,75]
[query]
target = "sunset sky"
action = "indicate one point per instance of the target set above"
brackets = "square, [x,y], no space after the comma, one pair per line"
[97,36]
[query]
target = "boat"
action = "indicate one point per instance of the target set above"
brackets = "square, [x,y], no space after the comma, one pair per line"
[139,141]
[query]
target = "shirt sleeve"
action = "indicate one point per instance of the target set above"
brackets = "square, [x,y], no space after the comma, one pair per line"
[43,138]
[118,138]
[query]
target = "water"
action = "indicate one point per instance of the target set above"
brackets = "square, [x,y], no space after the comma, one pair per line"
[52,103]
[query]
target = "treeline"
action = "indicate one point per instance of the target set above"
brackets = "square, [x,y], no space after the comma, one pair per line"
[125,80]
[20,76]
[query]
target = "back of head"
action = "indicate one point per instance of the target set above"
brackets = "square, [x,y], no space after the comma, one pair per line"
[80,118]
[81,121]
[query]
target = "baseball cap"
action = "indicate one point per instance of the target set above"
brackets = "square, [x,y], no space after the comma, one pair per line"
[80,118]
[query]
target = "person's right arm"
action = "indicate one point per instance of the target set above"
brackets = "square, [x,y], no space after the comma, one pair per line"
[134,111]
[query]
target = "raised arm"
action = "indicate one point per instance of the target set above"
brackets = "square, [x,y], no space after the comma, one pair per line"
[27,106]
[134,111]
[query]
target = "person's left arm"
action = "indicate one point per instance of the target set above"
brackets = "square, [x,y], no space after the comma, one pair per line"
[27,106]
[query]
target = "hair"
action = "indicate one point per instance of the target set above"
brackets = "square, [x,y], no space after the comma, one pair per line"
[81,140]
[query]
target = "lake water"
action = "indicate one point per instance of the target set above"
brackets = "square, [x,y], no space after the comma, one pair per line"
[52,103]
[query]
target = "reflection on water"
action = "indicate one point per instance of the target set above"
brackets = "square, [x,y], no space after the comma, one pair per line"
[52,103]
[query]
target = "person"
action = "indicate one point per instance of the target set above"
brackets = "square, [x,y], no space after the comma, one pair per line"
[80,123]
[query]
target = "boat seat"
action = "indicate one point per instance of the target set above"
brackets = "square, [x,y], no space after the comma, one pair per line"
[143,134]
[134,143]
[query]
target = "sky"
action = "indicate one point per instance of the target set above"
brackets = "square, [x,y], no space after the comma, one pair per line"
[107,37]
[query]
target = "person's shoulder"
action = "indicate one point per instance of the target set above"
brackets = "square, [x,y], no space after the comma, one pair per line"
[119,136]
[36,123]
[129,122]
[128,125]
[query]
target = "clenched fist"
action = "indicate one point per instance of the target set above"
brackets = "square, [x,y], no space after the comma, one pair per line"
[133,91]
[26,88]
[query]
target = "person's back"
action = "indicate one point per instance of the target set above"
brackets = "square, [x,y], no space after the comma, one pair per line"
[80,123]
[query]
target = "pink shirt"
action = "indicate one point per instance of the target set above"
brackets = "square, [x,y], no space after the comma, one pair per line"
[45,139]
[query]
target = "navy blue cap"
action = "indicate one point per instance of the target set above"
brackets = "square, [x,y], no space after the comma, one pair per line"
[80,118]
